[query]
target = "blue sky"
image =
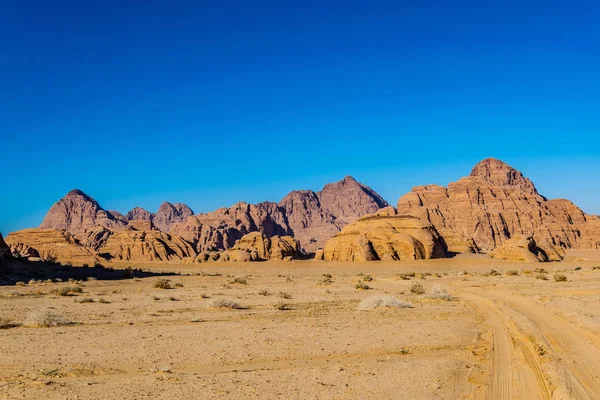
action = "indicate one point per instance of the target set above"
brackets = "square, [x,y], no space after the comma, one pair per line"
[137,102]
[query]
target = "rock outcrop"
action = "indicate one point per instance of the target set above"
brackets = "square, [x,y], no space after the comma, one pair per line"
[140,214]
[494,203]
[4,249]
[255,247]
[384,237]
[525,249]
[49,245]
[314,217]
[220,229]
[77,212]
[169,214]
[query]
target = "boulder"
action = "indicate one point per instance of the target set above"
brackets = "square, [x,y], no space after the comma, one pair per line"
[525,249]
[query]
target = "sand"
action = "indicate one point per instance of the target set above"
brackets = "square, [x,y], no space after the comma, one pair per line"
[500,337]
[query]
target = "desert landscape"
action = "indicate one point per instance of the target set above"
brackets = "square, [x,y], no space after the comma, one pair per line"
[483,289]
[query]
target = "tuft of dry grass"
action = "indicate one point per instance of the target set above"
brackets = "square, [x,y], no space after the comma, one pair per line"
[45,318]
[284,295]
[67,290]
[417,288]
[382,301]
[543,277]
[512,272]
[438,292]
[264,292]
[240,280]
[361,286]
[281,305]
[493,272]
[367,278]
[163,284]
[560,278]
[227,303]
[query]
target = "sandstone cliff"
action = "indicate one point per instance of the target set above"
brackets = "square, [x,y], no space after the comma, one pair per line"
[495,202]
[255,247]
[50,245]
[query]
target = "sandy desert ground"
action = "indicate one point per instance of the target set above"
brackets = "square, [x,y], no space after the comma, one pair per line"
[300,334]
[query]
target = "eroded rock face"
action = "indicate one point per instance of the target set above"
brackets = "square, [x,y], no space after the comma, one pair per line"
[255,247]
[525,249]
[77,212]
[385,237]
[315,217]
[169,214]
[50,245]
[139,214]
[4,249]
[482,211]
[220,229]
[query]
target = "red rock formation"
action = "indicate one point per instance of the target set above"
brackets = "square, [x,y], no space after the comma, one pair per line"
[482,211]
[138,213]
[77,212]
[169,214]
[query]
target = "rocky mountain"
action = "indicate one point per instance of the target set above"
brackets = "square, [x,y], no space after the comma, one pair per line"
[169,214]
[140,214]
[495,202]
[77,212]
[310,217]
[255,247]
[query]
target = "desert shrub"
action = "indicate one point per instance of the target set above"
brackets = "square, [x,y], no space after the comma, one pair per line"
[240,280]
[227,303]
[284,295]
[328,276]
[178,284]
[512,272]
[85,300]
[367,278]
[281,305]
[50,257]
[45,318]
[438,292]
[264,292]
[103,300]
[493,272]
[540,271]
[67,290]
[560,278]
[382,301]
[327,279]
[6,323]
[163,284]
[361,286]
[542,277]
[417,288]
[596,267]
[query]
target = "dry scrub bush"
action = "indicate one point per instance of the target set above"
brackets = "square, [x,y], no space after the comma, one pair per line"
[241,280]
[67,290]
[438,292]
[560,278]
[227,303]
[163,284]
[281,305]
[361,286]
[382,301]
[512,272]
[6,323]
[542,277]
[45,318]
[367,278]
[417,288]
[284,295]
[264,292]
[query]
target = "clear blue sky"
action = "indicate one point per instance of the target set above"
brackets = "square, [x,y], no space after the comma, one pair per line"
[213,102]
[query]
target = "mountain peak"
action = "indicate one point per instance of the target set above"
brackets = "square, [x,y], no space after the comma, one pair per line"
[498,173]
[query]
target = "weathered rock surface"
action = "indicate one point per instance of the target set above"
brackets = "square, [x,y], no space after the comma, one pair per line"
[4,249]
[255,247]
[220,229]
[77,212]
[314,217]
[496,202]
[385,237]
[140,214]
[169,214]
[525,249]
[49,245]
